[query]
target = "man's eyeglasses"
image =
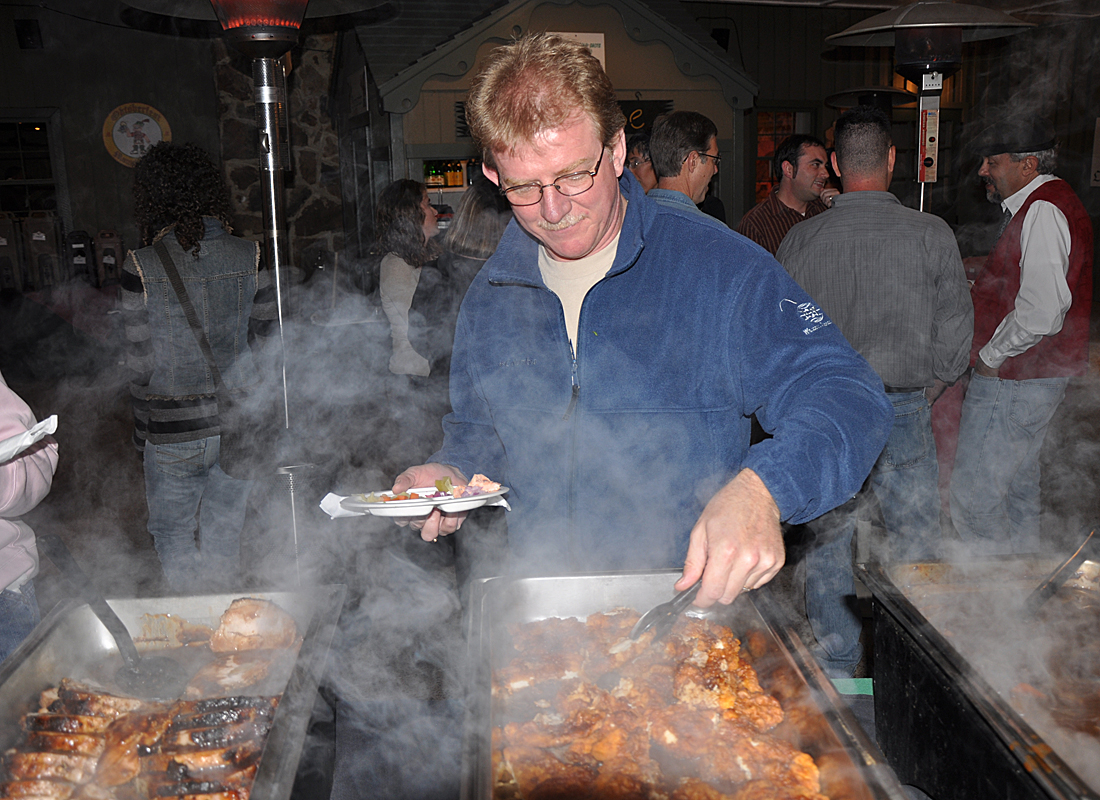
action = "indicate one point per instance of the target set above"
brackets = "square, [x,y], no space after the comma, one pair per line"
[717,159]
[527,194]
[634,163]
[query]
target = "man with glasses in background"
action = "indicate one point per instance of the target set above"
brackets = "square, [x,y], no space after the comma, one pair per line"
[610,352]
[637,158]
[684,150]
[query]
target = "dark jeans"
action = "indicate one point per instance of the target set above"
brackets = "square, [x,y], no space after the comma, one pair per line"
[196,513]
[18,616]
[905,480]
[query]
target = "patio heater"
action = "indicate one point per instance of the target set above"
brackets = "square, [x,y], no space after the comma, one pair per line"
[265,30]
[927,38]
[885,98]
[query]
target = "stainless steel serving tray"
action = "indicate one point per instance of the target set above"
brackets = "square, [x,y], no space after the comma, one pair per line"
[850,765]
[71,642]
[934,619]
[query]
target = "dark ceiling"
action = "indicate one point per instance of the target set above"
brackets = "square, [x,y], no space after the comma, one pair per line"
[1037,11]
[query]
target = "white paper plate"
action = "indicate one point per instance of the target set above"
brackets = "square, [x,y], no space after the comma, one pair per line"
[420,507]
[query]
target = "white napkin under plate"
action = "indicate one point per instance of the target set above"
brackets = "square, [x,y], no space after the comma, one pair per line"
[14,445]
[330,504]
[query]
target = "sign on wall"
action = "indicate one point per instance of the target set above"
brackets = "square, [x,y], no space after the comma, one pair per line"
[593,41]
[131,130]
[641,113]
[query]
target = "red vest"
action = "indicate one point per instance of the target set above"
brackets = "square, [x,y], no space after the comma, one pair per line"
[1061,354]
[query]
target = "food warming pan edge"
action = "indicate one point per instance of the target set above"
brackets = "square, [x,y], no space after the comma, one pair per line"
[71,637]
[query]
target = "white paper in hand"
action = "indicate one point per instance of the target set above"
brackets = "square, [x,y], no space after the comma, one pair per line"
[14,445]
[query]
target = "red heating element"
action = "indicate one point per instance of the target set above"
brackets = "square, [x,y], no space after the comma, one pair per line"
[260,13]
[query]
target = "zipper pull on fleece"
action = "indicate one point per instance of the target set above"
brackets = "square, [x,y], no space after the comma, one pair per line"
[572,401]
[572,380]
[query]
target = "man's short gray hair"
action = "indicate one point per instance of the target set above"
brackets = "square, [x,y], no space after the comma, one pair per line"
[1048,160]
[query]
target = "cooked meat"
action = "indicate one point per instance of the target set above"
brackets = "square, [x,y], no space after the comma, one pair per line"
[80,743]
[547,652]
[185,707]
[714,675]
[236,672]
[76,698]
[728,752]
[253,624]
[194,761]
[220,717]
[685,718]
[221,736]
[127,737]
[50,766]
[540,775]
[54,790]
[206,749]
[180,781]
[65,723]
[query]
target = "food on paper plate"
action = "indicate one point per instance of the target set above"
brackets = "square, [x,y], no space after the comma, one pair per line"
[444,489]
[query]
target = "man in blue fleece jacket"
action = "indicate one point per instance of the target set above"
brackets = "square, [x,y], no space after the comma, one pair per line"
[609,354]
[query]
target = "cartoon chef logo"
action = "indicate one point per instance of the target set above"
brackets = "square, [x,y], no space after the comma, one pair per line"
[809,312]
[131,130]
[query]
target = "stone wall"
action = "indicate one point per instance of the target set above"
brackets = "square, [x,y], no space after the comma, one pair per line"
[313,201]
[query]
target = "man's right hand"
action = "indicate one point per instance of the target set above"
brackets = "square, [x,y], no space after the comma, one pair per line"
[437,523]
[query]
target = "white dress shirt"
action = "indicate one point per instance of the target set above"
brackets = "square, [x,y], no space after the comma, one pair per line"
[1044,296]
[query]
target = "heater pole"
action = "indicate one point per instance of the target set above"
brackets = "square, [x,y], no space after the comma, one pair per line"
[928,132]
[269,79]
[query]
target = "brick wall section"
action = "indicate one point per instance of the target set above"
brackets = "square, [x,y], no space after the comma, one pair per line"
[313,202]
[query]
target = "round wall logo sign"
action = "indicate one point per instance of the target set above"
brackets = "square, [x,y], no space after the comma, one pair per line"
[131,129]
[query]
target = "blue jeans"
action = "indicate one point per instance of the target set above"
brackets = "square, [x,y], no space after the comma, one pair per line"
[995,483]
[18,616]
[905,480]
[188,494]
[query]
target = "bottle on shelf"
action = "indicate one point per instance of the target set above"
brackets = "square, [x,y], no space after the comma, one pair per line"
[433,175]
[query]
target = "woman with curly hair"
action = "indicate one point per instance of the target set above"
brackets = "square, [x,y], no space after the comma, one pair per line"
[405,224]
[182,200]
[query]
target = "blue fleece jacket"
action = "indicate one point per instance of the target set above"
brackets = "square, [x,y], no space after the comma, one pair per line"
[610,456]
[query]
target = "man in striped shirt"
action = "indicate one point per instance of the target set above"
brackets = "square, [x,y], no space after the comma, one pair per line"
[800,163]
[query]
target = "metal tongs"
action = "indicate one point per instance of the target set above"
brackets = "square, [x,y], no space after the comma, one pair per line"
[1066,570]
[662,617]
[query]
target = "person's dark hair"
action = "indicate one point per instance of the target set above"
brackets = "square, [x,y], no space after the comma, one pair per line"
[178,184]
[479,222]
[399,224]
[639,142]
[862,136]
[674,137]
[791,149]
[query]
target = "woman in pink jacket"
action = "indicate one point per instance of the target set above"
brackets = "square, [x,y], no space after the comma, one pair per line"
[24,481]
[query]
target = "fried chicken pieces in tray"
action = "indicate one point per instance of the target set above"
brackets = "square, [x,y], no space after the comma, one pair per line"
[84,743]
[582,711]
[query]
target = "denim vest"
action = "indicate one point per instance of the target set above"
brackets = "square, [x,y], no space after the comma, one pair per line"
[221,283]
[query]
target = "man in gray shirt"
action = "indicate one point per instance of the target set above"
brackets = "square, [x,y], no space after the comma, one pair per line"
[892,280]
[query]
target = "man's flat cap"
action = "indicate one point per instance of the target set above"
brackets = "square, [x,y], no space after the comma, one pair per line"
[1016,135]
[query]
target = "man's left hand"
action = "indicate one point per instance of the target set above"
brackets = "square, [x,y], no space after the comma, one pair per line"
[981,368]
[827,195]
[736,544]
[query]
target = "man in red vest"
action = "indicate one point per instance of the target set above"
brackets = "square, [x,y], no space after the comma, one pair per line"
[1031,326]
